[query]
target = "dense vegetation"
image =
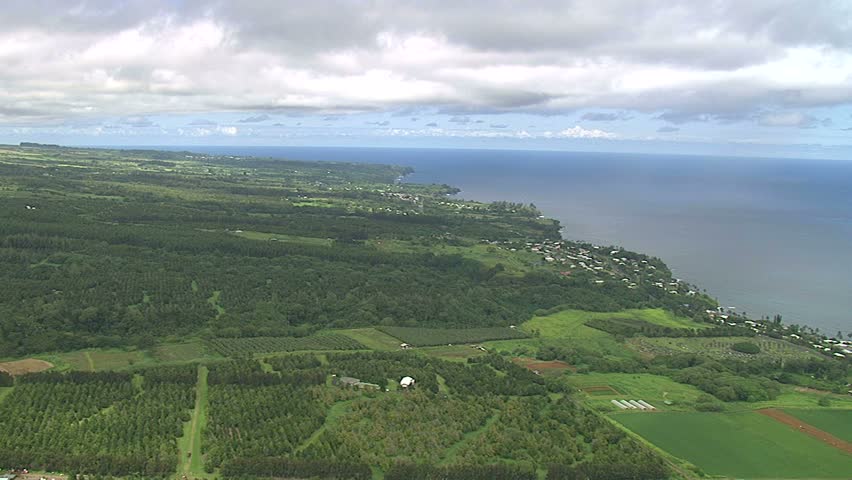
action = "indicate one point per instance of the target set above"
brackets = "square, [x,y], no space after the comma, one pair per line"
[108,248]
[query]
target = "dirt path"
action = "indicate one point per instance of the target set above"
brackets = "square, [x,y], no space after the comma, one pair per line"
[803,427]
[90,361]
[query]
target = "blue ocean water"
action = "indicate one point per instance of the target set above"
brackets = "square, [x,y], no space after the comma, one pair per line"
[766,236]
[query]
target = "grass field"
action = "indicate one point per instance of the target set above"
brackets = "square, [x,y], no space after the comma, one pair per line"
[424,337]
[190,461]
[792,397]
[95,360]
[835,422]
[278,237]
[181,352]
[719,347]
[653,389]
[371,338]
[742,445]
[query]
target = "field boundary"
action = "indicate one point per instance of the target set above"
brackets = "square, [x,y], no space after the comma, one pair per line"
[802,426]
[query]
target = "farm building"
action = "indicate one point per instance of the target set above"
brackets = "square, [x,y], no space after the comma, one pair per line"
[406,382]
[7,477]
[352,382]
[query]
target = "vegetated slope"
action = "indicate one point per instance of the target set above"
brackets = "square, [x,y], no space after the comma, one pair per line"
[835,422]
[103,248]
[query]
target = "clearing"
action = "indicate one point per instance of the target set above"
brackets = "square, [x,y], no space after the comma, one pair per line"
[371,338]
[654,389]
[743,445]
[190,460]
[424,337]
[807,428]
[835,422]
[23,367]
[550,368]
[720,347]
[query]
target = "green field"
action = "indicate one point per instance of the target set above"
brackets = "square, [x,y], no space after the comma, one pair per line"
[743,445]
[371,338]
[95,360]
[835,422]
[252,345]
[653,389]
[424,337]
[453,353]
[720,347]
[181,352]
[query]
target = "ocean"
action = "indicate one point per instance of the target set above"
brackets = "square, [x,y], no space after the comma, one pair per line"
[766,236]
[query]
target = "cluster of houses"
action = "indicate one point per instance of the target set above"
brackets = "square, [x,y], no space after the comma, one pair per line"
[838,348]
[604,264]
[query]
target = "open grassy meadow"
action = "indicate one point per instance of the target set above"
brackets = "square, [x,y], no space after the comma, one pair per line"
[835,422]
[741,445]
[653,389]
[371,338]
[424,337]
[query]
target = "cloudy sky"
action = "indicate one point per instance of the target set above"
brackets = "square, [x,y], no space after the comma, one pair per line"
[757,77]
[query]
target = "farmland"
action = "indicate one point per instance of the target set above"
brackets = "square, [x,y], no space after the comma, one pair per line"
[254,345]
[720,347]
[745,445]
[654,389]
[21,367]
[422,337]
[835,422]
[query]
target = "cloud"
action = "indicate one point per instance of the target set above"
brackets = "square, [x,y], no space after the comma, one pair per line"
[668,129]
[580,132]
[256,118]
[680,60]
[792,119]
[383,123]
[138,122]
[604,116]
[461,120]
[498,125]
[432,124]
[201,122]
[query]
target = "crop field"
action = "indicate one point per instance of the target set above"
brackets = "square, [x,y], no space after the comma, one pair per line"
[181,352]
[252,345]
[654,389]
[101,359]
[458,353]
[371,338]
[423,337]
[550,368]
[743,445]
[719,347]
[22,367]
[835,422]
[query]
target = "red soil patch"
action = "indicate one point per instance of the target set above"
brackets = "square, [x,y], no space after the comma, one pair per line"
[23,367]
[544,366]
[803,427]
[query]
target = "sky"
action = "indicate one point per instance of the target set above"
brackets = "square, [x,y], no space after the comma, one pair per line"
[757,77]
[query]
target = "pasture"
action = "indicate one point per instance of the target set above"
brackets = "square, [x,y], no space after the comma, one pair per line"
[835,422]
[742,445]
[96,360]
[424,337]
[181,352]
[456,353]
[654,389]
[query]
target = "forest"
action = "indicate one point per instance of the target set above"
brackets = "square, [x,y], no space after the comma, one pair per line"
[105,248]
